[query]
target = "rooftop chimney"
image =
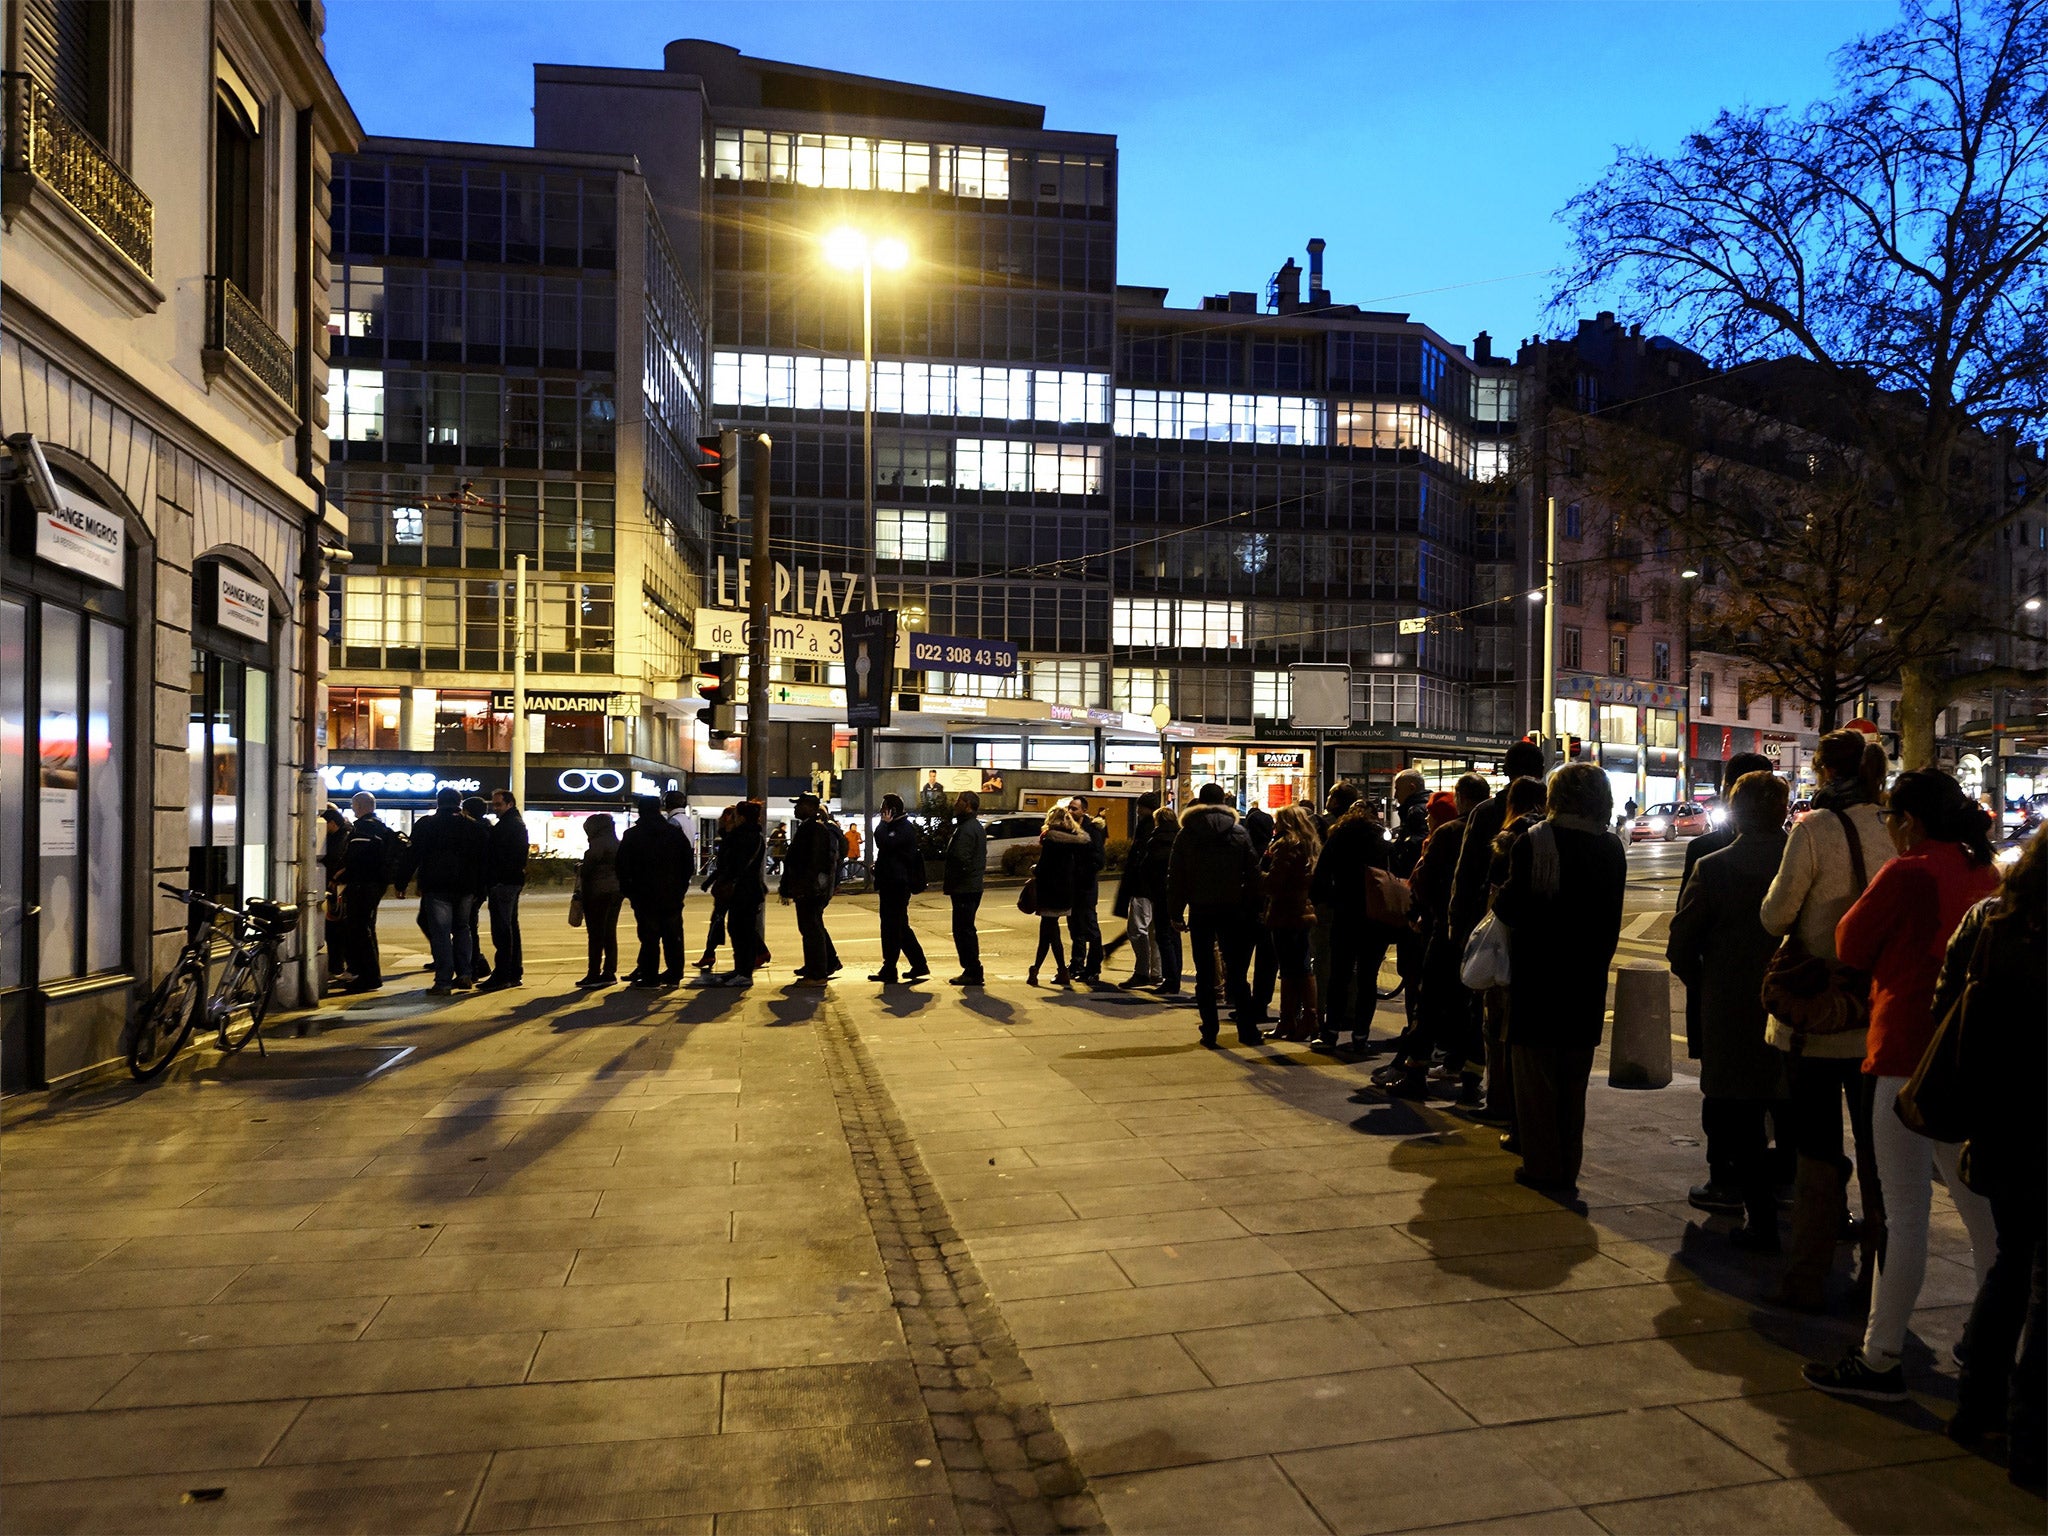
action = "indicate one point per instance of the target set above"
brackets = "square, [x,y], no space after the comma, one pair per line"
[1317,294]
[1284,292]
[1482,347]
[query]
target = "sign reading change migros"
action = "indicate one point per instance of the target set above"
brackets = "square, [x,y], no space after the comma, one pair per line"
[241,604]
[83,536]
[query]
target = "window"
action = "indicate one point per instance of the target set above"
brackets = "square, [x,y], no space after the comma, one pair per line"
[463,722]
[1272,695]
[1706,693]
[1742,701]
[1618,726]
[381,612]
[1387,424]
[1777,709]
[914,463]
[1574,587]
[910,533]
[228,763]
[1660,661]
[237,184]
[66,45]
[1491,460]
[1049,469]
[1190,623]
[1573,654]
[1662,725]
[1140,690]
[1572,521]
[1229,418]
[1493,399]
[1617,655]
[853,163]
[1074,683]
[355,405]
[802,382]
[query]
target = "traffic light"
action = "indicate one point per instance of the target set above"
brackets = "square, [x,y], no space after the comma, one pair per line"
[1573,747]
[718,468]
[719,688]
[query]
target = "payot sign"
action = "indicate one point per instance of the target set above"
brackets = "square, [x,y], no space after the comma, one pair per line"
[83,536]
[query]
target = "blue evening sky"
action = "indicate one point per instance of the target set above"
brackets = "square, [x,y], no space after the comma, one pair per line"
[1430,144]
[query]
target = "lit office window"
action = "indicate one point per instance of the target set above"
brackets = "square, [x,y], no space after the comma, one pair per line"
[852,163]
[1140,690]
[1272,696]
[787,381]
[1493,399]
[1490,461]
[1190,623]
[1050,469]
[1142,621]
[355,405]
[1196,416]
[382,611]
[910,533]
[1397,425]
[1073,683]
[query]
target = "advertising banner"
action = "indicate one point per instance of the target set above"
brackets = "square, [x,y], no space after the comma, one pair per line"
[869,644]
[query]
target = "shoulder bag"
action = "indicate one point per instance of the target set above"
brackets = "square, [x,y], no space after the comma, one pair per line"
[1386,898]
[1027,898]
[1816,996]
[1485,963]
[576,910]
[1934,1101]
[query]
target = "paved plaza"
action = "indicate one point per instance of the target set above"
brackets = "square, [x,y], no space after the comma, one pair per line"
[844,1260]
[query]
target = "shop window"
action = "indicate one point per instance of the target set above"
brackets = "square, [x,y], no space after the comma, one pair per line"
[465,722]
[366,720]
[228,755]
[575,733]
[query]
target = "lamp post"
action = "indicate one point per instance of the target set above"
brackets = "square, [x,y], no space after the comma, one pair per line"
[848,248]
[1686,578]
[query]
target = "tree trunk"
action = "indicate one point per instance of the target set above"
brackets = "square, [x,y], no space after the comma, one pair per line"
[1923,693]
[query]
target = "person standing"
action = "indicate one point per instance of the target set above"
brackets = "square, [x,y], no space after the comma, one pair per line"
[1819,879]
[369,863]
[743,877]
[899,875]
[1719,949]
[1429,909]
[598,892]
[475,810]
[1084,924]
[720,889]
[1342,796]
[1476,1035]
[1125,903]
[1409,833]
[1288,871]
[507,883]
[966,873]
[850,870]
[1356,843]
[2004,1056]
[1258,826]
[810,875]
[1152,884]
[1717,837]
[1211,885]
[333,857]
[1063,850]
[1898,931]
[448,851]
[653,870]
[1562,906]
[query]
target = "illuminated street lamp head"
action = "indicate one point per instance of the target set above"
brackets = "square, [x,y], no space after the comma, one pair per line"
[2032,605]
[1688,575]
[846,247]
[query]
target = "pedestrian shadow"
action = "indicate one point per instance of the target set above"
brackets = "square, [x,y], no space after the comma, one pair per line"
[994,1009]
[905,1002]
[797,1004]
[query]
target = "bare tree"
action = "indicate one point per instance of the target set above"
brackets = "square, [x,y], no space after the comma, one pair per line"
[1895,237]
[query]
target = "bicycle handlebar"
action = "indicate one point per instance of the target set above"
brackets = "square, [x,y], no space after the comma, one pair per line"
[194,899]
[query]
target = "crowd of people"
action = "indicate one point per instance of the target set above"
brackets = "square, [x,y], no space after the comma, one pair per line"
[1827,965]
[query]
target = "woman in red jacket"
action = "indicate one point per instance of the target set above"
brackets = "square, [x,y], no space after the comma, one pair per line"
[1898,931]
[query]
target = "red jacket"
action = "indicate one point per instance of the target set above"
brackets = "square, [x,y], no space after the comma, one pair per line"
[1898,930]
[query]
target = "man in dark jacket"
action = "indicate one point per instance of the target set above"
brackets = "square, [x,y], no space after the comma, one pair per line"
[1410,833]
[1357,843]
[1444,996]
[1476,1034]
[743,877]
[449,852]
[369,863]
[1210,887]
[809,877]
[507,873]
[476,810]
[1083,926]
[1717,838]
[899,875]
[966,874]
[1142,810]
[655,866]
[1258,826]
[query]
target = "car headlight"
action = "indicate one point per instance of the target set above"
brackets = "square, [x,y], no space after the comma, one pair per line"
[1716,817]
[2009,855]
[1658,824]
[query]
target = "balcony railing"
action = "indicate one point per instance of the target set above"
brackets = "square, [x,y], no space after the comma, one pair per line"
[43,141]
[237,328]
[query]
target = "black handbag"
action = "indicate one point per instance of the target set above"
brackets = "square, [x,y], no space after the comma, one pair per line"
[1027,898]
[1935,1100]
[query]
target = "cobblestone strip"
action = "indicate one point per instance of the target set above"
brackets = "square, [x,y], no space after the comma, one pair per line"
[1008,1467]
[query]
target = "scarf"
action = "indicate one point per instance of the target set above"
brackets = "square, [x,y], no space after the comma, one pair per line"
[1840,794]
[1544,872]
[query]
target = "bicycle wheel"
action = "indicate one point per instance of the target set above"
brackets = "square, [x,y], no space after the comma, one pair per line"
[165,1020]
[248,998]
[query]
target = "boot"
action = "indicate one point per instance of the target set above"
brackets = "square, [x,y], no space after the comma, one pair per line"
[1816,1215]
[1291,1026]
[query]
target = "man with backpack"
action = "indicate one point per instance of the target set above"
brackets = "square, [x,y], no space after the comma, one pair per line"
[899,874]
[810,875]
[372,859]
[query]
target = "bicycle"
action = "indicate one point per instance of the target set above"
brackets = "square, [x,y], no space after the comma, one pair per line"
[235,1004]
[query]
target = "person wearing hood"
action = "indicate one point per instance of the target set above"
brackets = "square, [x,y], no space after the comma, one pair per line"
[1562,907]
[1063,851]
[654,870]
[597,892]
[1357,842]
[899,875]
[1212,883]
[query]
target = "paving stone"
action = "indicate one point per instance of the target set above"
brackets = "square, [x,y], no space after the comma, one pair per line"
[1053,1320]
[198,1438]
[1242,1497]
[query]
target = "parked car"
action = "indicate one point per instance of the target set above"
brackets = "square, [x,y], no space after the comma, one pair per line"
[1665,822]
[1007,832]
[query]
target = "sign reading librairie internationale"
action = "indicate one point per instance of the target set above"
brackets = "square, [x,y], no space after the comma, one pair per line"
[83,536]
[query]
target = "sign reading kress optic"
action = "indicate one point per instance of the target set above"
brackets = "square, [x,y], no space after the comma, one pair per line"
[727,633]
[952,653]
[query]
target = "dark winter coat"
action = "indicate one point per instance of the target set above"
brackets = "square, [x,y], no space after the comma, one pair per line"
[1089,866]
[2004,1050]
[655,863]
[811,872]
[966,858]
[1355,844]
[507,862]
[1127,881]
[597,877]
[450,854]
[1470,885]
[1212,866]
[1153,874]
[373,855]
[1061,871]
[1719,949]
[742,854]
[1411,833]
[1285,880]
[1429,888]
[899,856]
[1258,826]
[1561,942]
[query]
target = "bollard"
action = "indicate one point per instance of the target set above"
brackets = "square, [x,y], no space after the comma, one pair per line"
[1639,1051]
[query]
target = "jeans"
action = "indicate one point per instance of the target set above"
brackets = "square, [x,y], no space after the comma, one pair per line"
[508,966]
[1906,1162]
[967,942]
[440,915]
[1550,1111]
[359,902]
[659,926]
[601,934]
[1820,1086]
[1144,945]
[820,957]
[1994,1390]
[1352,992]
[466,944]
[714,930]
[744,932]
[897,939]
[1228,930]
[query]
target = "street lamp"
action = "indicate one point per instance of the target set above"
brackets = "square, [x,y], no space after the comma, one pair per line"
[1686,578]
[849,248]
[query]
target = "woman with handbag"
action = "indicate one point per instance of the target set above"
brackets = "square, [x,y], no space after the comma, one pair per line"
[1990,995]
[596,900]
[720,888]
[1061,847]
[1150,885]
[1821,875]
[1897,931]
[1288,868]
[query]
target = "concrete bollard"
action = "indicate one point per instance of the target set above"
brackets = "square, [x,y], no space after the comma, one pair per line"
[1639,1049]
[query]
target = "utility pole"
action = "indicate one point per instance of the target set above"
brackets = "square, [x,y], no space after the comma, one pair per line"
[867,503]
[761,592]
[519,681]
[1550,629]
